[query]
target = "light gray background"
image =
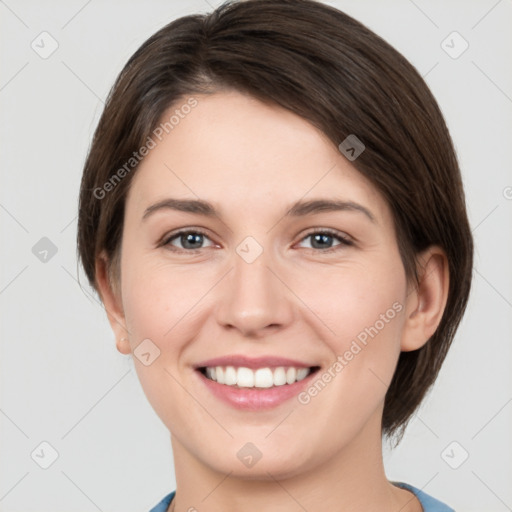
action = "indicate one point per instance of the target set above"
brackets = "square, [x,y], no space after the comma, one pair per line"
[62,380]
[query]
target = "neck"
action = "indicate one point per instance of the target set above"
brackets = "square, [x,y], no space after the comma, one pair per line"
[351,479]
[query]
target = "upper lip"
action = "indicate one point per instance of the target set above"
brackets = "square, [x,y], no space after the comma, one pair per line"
[252,362]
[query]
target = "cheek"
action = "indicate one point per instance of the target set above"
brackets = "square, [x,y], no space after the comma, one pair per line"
[155,295]
[360,313]
[355,301]
[155,306]
[146,311]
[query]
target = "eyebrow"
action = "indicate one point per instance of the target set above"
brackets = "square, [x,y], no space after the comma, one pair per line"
[298,209]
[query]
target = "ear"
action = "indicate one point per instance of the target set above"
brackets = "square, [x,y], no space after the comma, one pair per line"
[426,302]
[111,298]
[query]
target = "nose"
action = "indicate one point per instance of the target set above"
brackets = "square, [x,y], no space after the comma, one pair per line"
[254,298]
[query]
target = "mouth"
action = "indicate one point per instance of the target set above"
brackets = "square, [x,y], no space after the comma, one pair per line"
[259,378]
[254,383]
[257,388]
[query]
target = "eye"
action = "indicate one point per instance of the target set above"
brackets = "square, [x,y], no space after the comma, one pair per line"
[189,240]
[192,240]
[323,240]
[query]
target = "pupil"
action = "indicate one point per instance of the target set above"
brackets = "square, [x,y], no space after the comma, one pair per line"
[321,238]
[190,238]
[196,238]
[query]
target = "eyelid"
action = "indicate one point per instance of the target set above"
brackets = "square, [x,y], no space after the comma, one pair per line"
[329,231]
[166,239]
[344,239]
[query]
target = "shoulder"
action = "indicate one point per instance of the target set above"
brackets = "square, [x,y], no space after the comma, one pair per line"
[163,505]
[428,503]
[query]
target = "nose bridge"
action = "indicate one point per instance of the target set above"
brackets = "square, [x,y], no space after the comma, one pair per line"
[253,298]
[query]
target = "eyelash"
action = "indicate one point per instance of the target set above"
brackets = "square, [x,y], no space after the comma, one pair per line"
[344,241]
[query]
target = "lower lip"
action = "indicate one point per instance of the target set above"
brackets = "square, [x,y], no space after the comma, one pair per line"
[255,398]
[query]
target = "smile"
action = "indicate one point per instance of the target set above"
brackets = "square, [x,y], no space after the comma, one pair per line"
[257,388]
[243,377]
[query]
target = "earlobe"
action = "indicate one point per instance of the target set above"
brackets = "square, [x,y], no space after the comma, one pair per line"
[112,303]
[123,345]
[427,301]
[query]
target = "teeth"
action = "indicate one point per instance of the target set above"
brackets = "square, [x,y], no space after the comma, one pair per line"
[291,375]
[261,378]
[279,376]
[302,373]
[230,376]
[245,378]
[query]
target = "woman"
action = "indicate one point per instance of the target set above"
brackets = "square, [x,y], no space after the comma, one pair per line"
[273,215]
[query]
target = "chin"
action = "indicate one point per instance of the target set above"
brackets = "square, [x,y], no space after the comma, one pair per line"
[279,466]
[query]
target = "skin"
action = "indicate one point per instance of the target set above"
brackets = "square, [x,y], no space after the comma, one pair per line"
[252,161]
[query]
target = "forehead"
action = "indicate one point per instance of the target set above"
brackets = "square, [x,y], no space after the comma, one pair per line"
[233,148]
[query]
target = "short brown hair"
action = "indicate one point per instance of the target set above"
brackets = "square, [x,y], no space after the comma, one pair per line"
[331,70]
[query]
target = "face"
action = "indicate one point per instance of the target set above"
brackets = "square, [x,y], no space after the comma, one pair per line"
[258,284]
